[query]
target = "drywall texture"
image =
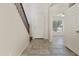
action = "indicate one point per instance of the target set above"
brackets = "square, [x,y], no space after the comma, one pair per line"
[13,34]
[37,15]
[71,25]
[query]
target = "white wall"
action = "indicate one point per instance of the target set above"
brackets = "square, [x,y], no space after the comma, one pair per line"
[71,26]
[37,14]
[13,34]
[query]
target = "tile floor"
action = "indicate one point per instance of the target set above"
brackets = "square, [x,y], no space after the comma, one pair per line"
[57,47]
[42,47]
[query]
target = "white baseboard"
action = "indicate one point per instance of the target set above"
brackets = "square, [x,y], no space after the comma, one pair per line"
[20,53]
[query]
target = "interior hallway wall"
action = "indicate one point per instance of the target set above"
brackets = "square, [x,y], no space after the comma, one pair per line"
[14,37]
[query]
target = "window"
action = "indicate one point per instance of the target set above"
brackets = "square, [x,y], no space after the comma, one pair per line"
[57,26]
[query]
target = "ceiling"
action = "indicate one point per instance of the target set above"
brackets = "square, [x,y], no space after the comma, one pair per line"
[52,4]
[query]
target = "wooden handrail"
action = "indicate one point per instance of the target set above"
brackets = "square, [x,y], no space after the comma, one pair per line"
[23,16]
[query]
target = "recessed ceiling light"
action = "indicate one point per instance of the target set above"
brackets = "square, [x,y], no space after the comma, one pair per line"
[61,14]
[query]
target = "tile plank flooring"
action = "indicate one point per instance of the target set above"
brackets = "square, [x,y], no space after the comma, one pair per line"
[42,47]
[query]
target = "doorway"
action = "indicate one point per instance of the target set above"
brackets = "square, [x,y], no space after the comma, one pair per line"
[56,30]
[58,25]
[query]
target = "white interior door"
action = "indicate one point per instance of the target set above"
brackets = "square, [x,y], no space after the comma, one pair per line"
[76,40]
[72,28]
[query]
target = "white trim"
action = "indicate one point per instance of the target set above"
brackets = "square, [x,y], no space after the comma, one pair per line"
[20,53]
